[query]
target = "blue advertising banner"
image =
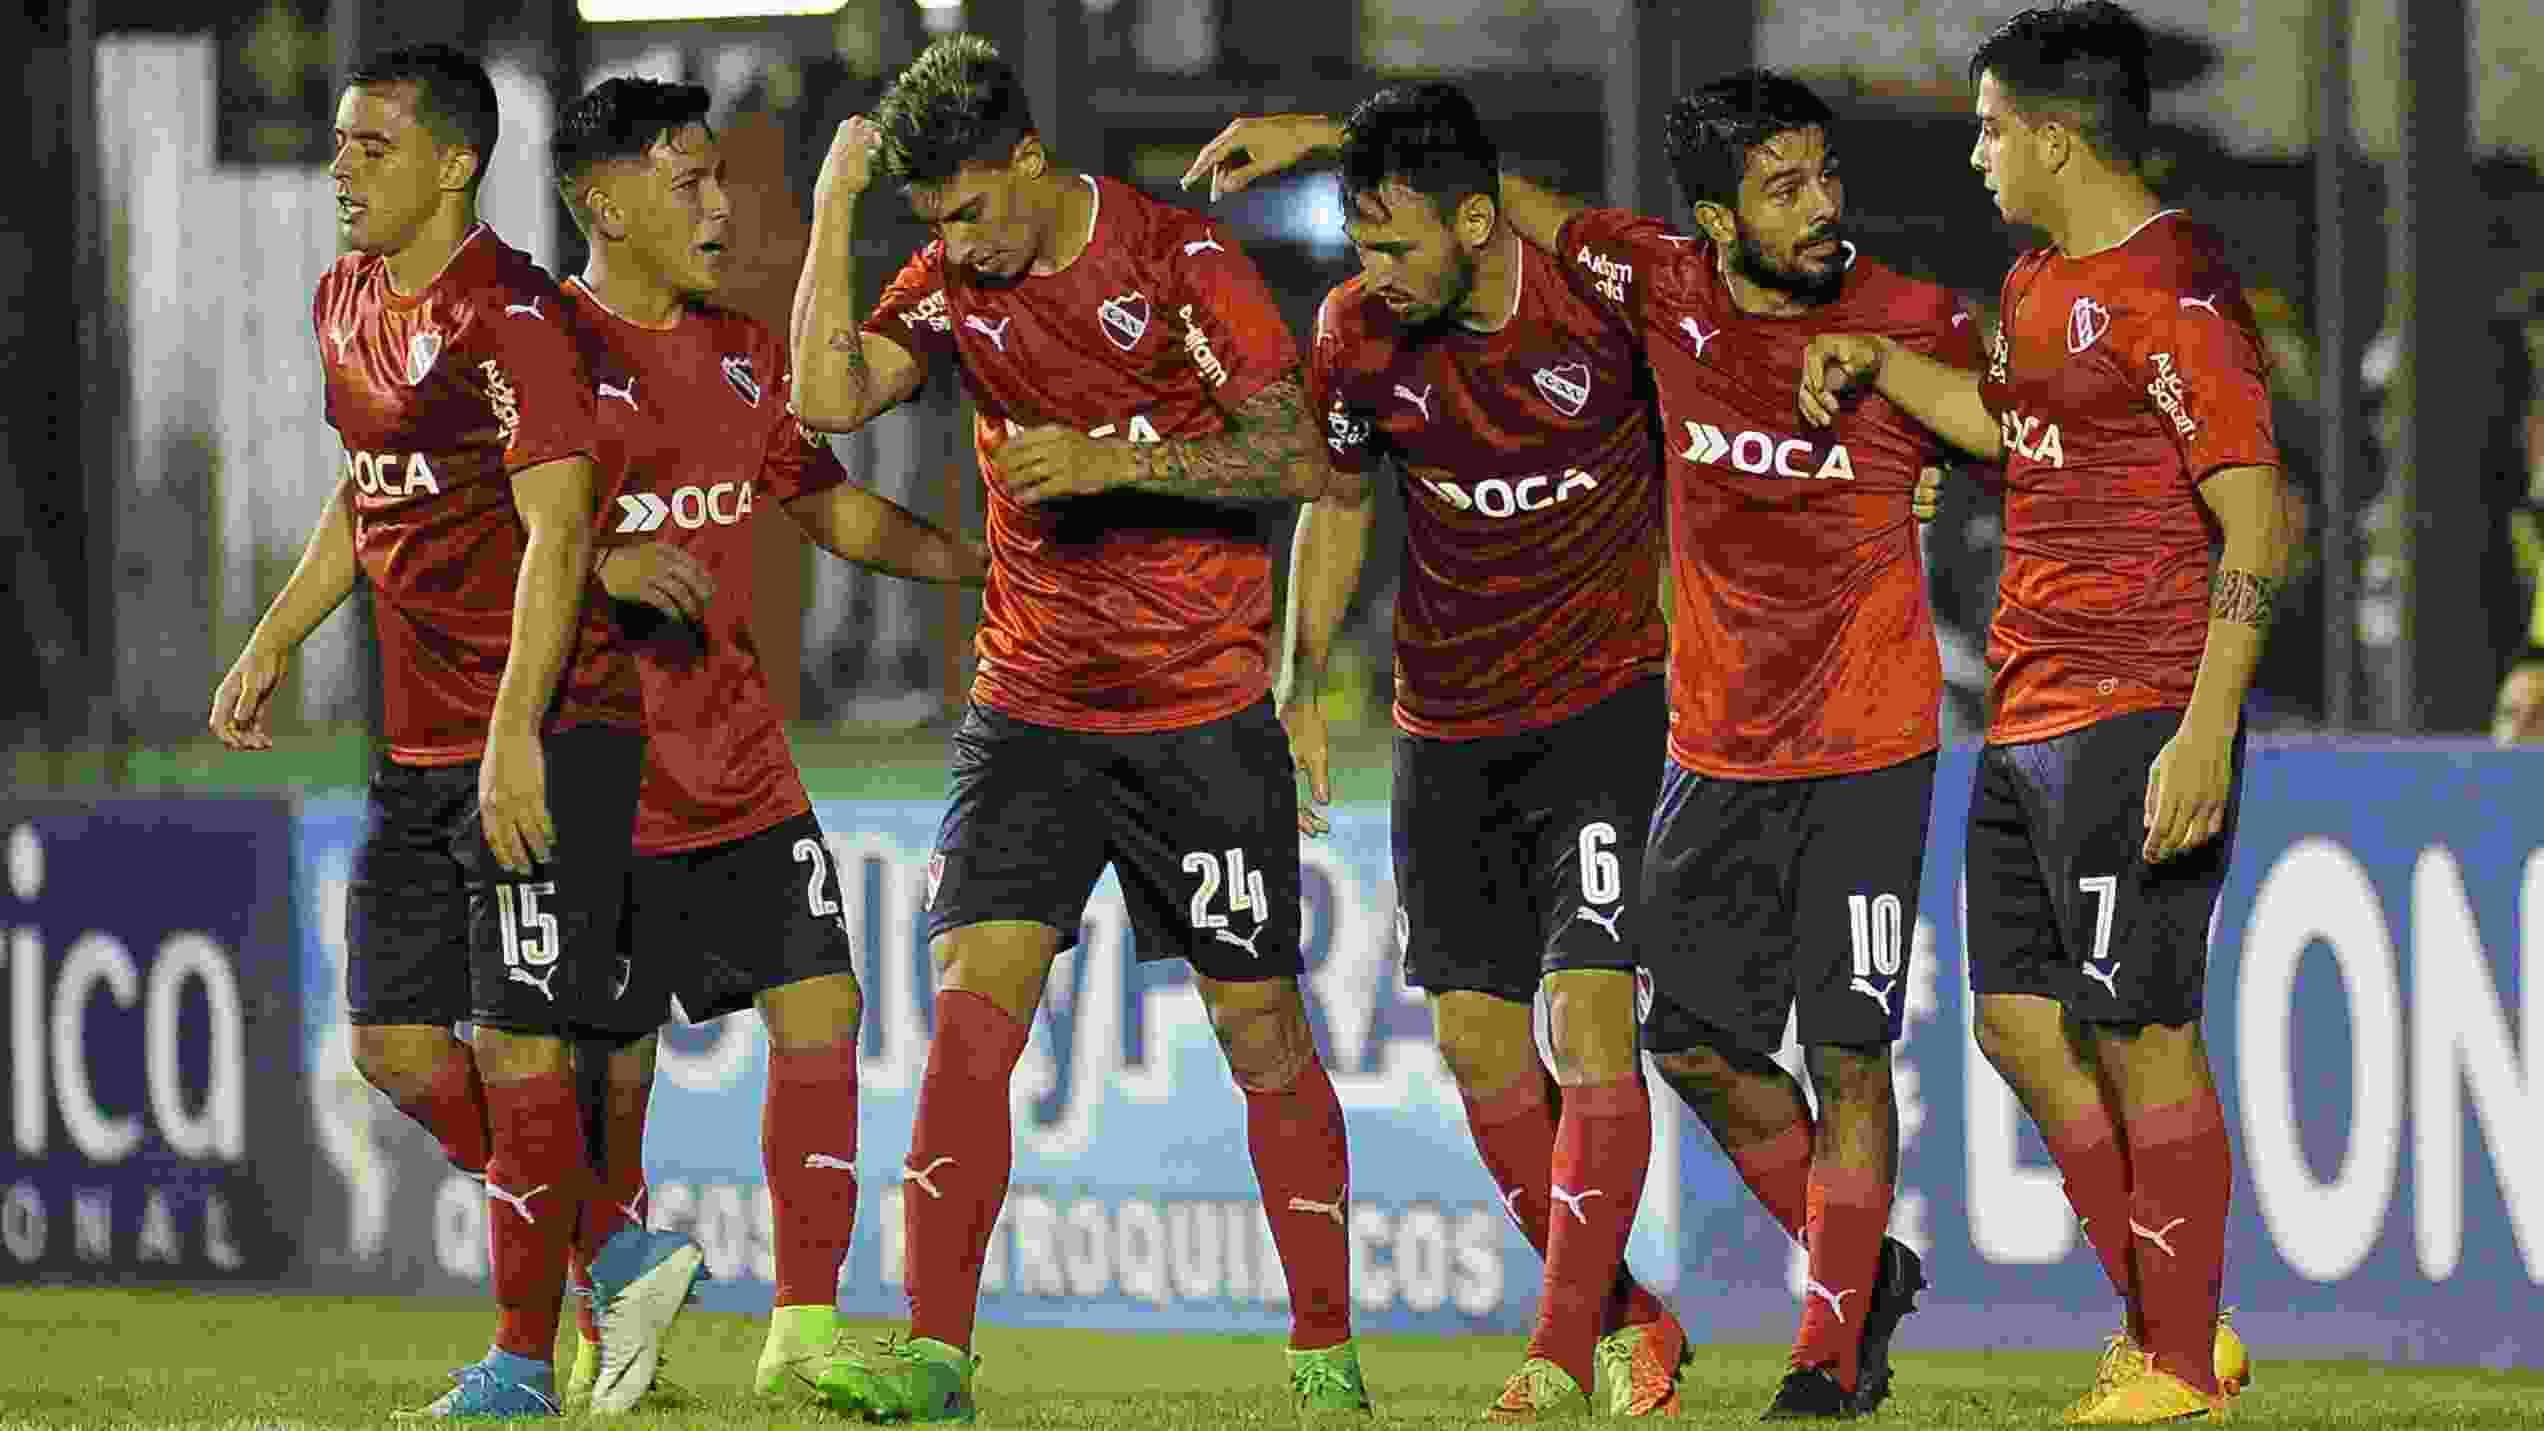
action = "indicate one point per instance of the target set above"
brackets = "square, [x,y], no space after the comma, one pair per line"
[147,1002]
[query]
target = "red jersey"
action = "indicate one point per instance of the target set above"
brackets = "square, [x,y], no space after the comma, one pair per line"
[1125,611]
[697,418]
[439,398]
[1800,640]
[1531,586]
[2120,381]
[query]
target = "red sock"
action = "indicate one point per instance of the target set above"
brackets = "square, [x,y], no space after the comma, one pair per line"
[621,1164]
[2184,1180]
[1850,1214]
[452,1107]
[962,1150]
[808,1139]
[1302,1164]
[2089,1156]
[1515,1132]
[1778,1172]
[1603,1149]
[536,1181]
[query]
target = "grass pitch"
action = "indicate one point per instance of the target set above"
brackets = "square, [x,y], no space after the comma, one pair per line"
[83,1358]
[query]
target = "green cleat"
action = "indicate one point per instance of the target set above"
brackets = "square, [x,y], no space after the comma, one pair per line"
[1537,1390]
[1641,1365]
[799,1342]
[915,1379]
[587,1370]
[1326,1382]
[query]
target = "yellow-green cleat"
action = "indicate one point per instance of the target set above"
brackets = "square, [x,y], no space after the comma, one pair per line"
[1641,1365]
[919,1380]
[1537,1390]
[798,1347]
[587,1370]
[1326,1382]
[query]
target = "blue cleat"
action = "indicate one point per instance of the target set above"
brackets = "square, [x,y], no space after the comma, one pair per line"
[640,1281]
[500,1387]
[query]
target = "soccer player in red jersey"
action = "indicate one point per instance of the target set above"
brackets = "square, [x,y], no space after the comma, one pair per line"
[1529,693]
[2128,399]
[1781,867]
[1135,388]
[489,883]
[733,903]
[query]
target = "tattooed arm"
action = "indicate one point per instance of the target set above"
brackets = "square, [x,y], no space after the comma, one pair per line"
[844,377]
[1267,454]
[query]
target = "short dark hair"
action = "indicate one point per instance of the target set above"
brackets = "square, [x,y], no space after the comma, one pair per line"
[958,103]
[454,100]
[1427,137]
[618,119]
[1708,134]
[2087,62]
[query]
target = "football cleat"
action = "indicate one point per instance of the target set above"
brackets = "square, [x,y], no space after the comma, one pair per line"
[640,1281]
[799,1341]
[914,1379]
[1810,1393]
[499,1387]
[1538,1389]
[2150,1396]
[1641,1365]
[1325,1382]
[1901,1277]
[2123,1358]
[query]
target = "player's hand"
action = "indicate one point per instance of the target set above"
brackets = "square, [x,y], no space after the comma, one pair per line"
[1928,498]
[2187,789]
[512,799]
[1305,721]
[1270,144]
[1047,464]
[1834,365]
[849,166]
[245,698]
[660,575]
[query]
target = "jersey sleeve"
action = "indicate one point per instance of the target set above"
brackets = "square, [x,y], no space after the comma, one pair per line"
[913,312]
[1351,433]
[1616,254]
[2199,359]
[1232,328]
[1946,329]
[799,461]
[536,385]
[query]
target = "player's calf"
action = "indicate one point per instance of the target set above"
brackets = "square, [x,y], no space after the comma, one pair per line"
[432,1078]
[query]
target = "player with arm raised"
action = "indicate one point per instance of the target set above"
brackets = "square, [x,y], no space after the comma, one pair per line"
[489,882]
[733,903]
[1134,383]
[2147,529]
[1529,695]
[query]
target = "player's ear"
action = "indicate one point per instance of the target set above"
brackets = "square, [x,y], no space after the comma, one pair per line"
[609,221]
[1717,222]
[1029,159]
[458,168]
[1474,219]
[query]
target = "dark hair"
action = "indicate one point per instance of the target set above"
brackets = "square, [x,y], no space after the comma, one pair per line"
[2085,62]
[618,119]
[958,103]
[454,100]
[1424,136]
[1708,134]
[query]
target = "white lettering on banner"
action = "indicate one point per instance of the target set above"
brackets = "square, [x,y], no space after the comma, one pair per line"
[2017,1214]
[734,1225]
[459,1227]
[22,1225]
[93,1224]
[158,1240]
[2462,1043]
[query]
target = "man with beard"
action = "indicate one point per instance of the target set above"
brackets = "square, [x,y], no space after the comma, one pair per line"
[1783,859]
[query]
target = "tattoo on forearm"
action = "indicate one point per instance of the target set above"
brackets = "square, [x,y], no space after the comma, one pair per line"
[850,344]
[2243,597]
[1267,435]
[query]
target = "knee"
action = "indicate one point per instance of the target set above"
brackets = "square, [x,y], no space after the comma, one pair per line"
[1696,1070]
[1488,1043]
[402,1062]
[1005,962]
[814,1013]
[1855,1076]
[2009,1034]
[1263,1030]
[1592,1027]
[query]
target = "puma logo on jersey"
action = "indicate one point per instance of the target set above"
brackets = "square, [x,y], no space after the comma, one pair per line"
[520,1202]
[1242,941]
[2109,978]
[542,982]
[1607,921]
[2158,1235]
[1574,1200]
[1961,319]
[344,342]
[1332,1209]
[2209,303]
[1696,332]
[1765,454]
[1421,400]
[625,394]
[1878,994]
[1510,1203]
[2032,439]
[922,1176]
[1813,1287]
[825,1160]
[531,308]
[996,332]
[1207,243]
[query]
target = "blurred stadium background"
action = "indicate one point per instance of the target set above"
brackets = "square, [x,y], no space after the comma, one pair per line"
[182,1108]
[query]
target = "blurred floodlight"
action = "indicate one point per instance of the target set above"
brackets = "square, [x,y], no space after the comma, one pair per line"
[602,12]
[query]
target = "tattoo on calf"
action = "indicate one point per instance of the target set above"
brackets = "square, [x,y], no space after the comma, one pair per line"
[2244,597]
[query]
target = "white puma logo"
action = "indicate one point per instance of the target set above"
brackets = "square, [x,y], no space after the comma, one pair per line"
[1960,319]
[626,394]
[921,1176]
[344,341]
[1207,243]
[1332,1209]
[1242,941]
[2209,303]
[1574,1200]
[540,982]
[1695,330]
[825,1160]
[531,308]
[1421,400]
[634,1207]
[520,1202]
[2108,978]
[2158,1236]
[997,331]
[1836,1300]
[1879,995]
[1510,1202]
[1607,921]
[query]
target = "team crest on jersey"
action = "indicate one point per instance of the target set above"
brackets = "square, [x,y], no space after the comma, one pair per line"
[2086,323]
[1566,385]
[421,350]
[1124,318]
[935,877]
[737,371]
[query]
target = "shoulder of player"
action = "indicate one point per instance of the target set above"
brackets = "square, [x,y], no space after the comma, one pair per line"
[1880,291]
[1348,322]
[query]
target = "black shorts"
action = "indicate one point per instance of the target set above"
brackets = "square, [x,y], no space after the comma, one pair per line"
[1519,855]
[437,933]
[2062,902]
[716,927]
[1767,896]
[1200,825]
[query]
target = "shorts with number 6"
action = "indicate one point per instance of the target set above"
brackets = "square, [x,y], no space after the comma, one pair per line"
[1199,824]
[1517,855]
[437,933]
[1763,897]
[716,927]
[2061,901]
